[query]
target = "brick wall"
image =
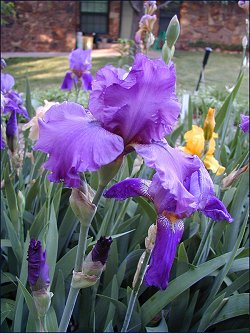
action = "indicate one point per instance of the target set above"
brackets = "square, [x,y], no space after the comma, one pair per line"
[41,26]
[211,23]
[49,26]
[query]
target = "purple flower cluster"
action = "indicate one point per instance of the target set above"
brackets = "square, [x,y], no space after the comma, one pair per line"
[11,102]
[133,111]
[79,64]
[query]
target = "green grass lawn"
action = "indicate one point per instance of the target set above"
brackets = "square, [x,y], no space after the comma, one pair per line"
[221,70]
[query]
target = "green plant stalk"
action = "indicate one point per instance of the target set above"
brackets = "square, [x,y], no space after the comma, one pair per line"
[202,243]
[42,324]
[81,248]
[135,291]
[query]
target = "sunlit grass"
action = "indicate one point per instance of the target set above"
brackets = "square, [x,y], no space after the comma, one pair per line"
[221,71]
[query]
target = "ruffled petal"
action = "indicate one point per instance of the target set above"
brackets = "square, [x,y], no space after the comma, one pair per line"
[174,169]
[68,82]
[75,143]
[168,237]
[141,107]
[216,210]
[7,82]
[130,187]
[87,79]
[80,60]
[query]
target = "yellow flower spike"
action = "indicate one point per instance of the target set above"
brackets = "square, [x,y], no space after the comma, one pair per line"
[209,124]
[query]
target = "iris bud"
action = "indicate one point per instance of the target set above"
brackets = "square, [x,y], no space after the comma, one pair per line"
[42,300]
[3,63]
[172,32]
[20,201]
[209,124]
[81,204]
[93,265]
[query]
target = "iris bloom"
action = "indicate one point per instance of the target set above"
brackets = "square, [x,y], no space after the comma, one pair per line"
[13,104]
[80,64]
[244,125]
[180,186]
[38,270]
[196,141]
[138,109]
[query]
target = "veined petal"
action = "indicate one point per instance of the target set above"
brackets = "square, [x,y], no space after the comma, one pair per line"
[216,210]
[68,81]
[174,168]
[168,237]
[75,143]
[87,79]
[143,106]
[130,187]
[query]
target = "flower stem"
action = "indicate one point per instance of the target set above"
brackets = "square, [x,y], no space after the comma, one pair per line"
[81,248]
[135,291]
[202,243]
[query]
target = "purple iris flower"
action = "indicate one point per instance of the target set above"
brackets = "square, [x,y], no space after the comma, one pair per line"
[2,142]
[101,250]
[12,103]
[38,270]
[244,125]
[79,63]
[180,186]
[138,107]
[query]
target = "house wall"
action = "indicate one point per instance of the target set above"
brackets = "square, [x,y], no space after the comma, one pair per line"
[49,26]
[41,26]
[211,24]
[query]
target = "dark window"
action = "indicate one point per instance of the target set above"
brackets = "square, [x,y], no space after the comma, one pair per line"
[94,16]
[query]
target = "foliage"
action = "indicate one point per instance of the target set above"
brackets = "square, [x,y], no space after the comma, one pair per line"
[7,11]
[210,290]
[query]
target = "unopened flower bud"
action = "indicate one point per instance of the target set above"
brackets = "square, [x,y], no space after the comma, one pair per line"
[150,239]
[93,265]
[172,32]
[81,204]
[38,270]
[12,132]
[166,53]
[228,181]
[107,172]
[150,7]
[20,201]
[42,300]
[209,124]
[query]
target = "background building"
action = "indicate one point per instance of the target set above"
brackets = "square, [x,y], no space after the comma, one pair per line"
[52,25]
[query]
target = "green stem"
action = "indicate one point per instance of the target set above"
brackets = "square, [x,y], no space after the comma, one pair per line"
[42,324]
[81,248]
[134,294]
[202,243]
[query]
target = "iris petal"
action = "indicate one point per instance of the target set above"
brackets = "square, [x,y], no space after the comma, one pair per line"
[141,107]
[75,143]
[131,187]
[168,238]
[68,82]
